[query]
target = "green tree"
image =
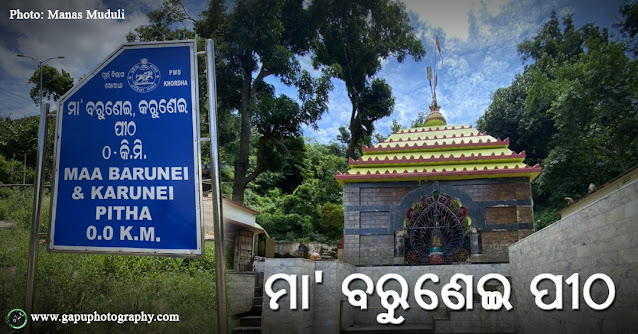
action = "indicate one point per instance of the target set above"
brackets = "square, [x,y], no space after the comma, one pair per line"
[7,167]
[504,114]
[254,40]
[573,108]
[331,220]
[551,49]
[520,111]
[354,37]
[54,83]
[303,207]
[19,136]
[285,226]
[419,120]
[261,39]
[163,23]
[628,26]
[278,121]
[322,164]
[597,106]
[344,135]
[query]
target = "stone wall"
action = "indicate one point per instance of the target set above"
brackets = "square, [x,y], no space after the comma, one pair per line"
[323,315]
[600,238]
[327,317]
[285,320]
[245,250]
[241,291]
[501,209]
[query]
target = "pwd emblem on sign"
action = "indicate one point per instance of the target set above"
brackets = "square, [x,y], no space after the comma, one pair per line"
[127,156]
[144,76]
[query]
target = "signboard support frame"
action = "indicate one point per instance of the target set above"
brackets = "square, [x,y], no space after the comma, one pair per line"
[220,262]
[36,215]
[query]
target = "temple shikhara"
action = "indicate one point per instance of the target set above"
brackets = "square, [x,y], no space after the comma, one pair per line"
[436,194]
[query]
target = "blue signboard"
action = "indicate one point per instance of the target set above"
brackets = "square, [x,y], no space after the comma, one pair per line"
[127,177]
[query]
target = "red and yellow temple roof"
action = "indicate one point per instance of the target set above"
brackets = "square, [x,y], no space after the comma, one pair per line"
[438,151]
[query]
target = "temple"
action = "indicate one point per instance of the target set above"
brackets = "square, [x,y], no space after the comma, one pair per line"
[436,194]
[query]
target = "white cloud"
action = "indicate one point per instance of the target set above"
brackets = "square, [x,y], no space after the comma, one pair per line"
[84,43]
[452,16]
[479,51]
[494,7]
[479,41]
[10,65]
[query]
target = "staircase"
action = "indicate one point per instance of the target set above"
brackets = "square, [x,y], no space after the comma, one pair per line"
[250,322]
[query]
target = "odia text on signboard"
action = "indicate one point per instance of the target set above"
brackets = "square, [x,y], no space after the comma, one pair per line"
[127,156]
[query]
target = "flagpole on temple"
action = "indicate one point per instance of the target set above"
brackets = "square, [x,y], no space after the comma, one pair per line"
[434,117]
[436,75]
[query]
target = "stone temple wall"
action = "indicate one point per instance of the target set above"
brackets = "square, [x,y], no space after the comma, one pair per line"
[500,208]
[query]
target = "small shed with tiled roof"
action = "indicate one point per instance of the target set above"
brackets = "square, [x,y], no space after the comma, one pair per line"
[241,232]
[436,194]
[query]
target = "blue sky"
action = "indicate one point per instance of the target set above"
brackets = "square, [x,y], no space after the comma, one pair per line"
[478,40]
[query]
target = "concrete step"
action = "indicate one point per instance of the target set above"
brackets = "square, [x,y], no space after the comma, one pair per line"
[247,330]
[440,317]
[256,309]
[259,281]
[390,329]
[250,321]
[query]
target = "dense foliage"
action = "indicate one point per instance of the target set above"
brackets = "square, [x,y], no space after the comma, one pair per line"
[574,109]
[313,210]
[17,138]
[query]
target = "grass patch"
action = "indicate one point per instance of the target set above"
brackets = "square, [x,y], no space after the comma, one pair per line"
[84,284]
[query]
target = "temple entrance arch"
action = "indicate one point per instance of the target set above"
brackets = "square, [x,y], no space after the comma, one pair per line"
[437,230]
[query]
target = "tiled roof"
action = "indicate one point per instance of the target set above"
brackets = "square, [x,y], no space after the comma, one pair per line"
[438,153]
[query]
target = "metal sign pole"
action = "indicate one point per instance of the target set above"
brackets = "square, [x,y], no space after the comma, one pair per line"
[220,261]
[35,222]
